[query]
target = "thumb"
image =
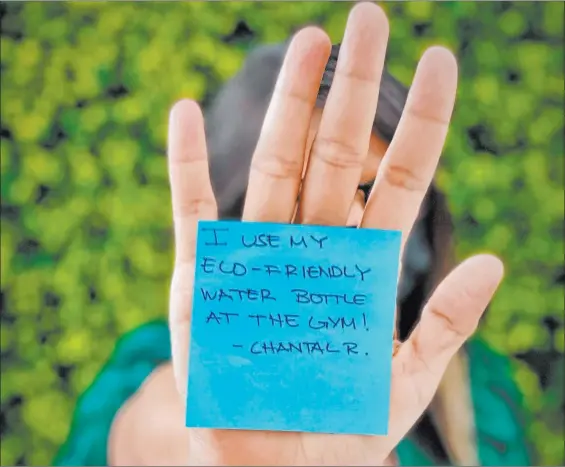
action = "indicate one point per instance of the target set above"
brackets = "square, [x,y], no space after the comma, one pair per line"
[448,320]
[453,312]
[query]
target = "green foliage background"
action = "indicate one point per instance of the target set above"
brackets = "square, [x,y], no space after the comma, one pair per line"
[86,246]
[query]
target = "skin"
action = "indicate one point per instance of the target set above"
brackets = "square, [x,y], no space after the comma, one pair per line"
[153,419]
[330,153]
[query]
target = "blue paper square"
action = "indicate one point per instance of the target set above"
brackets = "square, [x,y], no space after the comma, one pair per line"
[292,328]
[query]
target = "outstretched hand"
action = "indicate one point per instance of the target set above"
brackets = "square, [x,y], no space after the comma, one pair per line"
[326,190]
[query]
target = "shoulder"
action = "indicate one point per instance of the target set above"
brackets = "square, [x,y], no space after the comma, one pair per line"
[500,413]
[134,358]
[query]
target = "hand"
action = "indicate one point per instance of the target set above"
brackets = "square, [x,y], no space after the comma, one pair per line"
[328,188]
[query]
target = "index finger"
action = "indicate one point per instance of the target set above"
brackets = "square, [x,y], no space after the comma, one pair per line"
[277,164]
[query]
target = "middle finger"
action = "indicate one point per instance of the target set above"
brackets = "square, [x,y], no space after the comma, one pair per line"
[342,142]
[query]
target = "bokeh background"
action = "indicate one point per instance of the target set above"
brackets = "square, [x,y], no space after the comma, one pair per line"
[86,225]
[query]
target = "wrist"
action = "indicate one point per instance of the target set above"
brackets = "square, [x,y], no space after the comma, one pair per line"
[149,428]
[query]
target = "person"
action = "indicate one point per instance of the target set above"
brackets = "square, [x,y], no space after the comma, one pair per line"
[297,125]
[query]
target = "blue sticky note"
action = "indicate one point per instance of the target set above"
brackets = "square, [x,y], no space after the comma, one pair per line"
[292,328]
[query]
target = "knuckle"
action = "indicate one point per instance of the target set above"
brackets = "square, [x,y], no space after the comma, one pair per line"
[447,323]
[403,178]
[192,207]
[292,93]
[462,324]
[427,116]
[357,77]
[278,165]
[337,154]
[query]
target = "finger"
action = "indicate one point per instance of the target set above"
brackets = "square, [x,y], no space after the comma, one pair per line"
[342,141]
[409,164]
[276,168]
[356,210]
[191,191]
[448,320]
[192,200]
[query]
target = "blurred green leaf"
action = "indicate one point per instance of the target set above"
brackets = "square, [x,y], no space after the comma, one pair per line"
[86,245]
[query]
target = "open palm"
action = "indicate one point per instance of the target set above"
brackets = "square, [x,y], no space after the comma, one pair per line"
[325,191]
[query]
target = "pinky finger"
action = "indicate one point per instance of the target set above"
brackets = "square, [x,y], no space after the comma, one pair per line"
[191,190]
[192,200]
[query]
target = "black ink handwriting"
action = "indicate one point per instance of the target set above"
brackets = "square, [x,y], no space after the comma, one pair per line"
[303,296]
[236,294]
[216,242]
[261,240]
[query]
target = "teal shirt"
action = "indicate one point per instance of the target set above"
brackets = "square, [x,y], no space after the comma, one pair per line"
[496,400]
